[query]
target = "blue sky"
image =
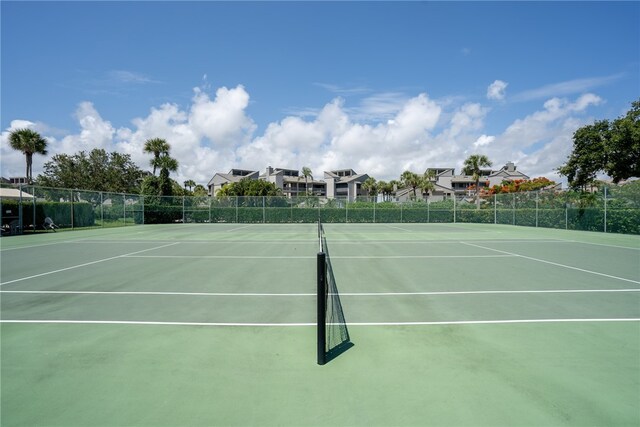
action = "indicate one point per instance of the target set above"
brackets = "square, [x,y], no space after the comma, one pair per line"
[379,87]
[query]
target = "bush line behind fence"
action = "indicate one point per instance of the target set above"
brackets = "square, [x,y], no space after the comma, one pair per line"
[608,211]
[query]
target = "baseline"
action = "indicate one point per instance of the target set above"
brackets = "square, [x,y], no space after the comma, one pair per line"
[444,323]
[354,294]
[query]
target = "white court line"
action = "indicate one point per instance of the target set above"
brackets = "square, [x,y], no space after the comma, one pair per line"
[161,293]
[439,242]
[202,242]
[488,322]
[600,244]
[354,294]
[435,323]
[417,256]
[553,263]
[37,246]
[400,228]
[313,257]
[222,256]
[85,264]
[239,228]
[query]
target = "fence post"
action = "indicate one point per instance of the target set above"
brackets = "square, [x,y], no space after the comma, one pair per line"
[237,209]
[428,210]
[513,215]
[605,209]
[142,197]
[20,219]
[101,210]
[454,207]
[183,215]
[375,202]
[537,194]
[124,209]
[495,208]
[346,209]
[71,207]
[33,190]
[401,207]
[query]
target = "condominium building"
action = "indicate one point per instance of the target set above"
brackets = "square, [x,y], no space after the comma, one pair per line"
[447,184]
[345,183]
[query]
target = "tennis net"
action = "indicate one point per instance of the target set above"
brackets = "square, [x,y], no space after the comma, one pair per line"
[333,335]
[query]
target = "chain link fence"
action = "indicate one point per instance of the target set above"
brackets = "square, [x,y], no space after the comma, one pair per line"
[613,209]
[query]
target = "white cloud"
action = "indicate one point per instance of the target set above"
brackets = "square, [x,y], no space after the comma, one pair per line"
[469,117]
[497,89]
[222,121]
[123,76]
[540,142]
[568,87]
[484,140]
[216,134]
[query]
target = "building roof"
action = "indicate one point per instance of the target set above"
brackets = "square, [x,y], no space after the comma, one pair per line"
[234,175]
[353,176]
[14,193]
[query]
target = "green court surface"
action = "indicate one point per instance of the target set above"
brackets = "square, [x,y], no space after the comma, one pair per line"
[214,324]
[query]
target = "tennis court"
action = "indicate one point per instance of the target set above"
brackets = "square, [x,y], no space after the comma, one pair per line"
[214,324]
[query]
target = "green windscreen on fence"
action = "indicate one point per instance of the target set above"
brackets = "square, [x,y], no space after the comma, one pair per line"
[613,209]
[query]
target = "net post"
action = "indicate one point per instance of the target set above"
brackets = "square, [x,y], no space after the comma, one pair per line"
[322,307]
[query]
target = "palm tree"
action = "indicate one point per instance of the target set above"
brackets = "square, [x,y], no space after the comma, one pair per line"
[426,182]
[410,179]
[166,164]
[393,187]
[383,187]
[472,166]
[306,173]
[189,183]
[157,147]
[29,142]
[370,186]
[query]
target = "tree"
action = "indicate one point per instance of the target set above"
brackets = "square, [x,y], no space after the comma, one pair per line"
[623,146]
[189,183]
[200,190]
[370,186]
[249,187]
[393,187]
[519,185]
[609,147]
[166,164]
[29,142]
[97,171]
[385,189]
[157,147]
[306,173]
[587,157]
[426,182]
[472,166]
[410,179]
